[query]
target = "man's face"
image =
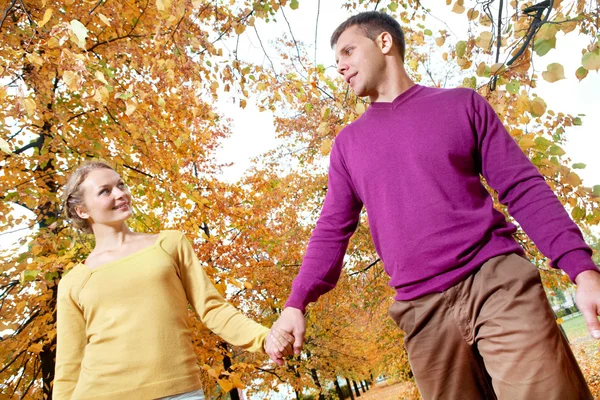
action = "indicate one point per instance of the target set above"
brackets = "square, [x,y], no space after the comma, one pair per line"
[360,61]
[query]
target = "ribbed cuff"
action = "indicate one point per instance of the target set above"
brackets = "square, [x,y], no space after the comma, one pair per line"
[575,262]
[296,302]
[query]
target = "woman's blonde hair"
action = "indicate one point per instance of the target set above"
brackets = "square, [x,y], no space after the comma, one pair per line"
[73,194]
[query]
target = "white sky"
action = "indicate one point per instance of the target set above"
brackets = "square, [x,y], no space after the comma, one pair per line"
[253,132]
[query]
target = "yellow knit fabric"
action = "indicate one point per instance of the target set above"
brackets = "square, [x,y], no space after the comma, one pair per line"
[122,327]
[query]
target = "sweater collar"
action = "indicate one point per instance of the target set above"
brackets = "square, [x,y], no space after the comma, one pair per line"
[402,98]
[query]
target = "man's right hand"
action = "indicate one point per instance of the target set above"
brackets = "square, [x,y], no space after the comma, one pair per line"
[291,321]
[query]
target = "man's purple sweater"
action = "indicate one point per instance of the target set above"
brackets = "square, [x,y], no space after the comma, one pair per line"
[415,164]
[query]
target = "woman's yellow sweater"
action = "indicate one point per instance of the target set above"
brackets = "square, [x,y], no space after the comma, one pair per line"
[123,330]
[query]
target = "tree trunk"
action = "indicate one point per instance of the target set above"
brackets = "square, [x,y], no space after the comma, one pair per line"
[362,386]
[338,389]
[315,377]
[356,388]
[233,393]
[349,389]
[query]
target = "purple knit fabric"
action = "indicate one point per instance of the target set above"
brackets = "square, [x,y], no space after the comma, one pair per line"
[415,164]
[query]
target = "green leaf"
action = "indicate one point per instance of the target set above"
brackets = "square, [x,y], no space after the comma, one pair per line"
[393,6]
[578,213]
[294,4]
[29,275]
[308,107]
[541,143]
[427,32]
[513,86]
[556,150]
[579,166]
[596,191]
[124,96]
[591,60]
[577,121]
[581,73]
[543,46]
[461,48]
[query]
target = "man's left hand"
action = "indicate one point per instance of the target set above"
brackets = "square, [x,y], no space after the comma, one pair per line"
[587,298]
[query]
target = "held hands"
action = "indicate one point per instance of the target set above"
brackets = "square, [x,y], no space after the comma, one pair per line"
[587,298]
[287,334]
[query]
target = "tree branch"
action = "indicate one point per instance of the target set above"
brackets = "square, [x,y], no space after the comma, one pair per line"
[10,6]
[366,268]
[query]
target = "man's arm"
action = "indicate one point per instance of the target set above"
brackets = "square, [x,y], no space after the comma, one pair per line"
[534,205]
[324,257]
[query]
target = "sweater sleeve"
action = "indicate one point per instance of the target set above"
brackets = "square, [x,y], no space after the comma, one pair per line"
[322,264]
[70,339]
[217,314]
[524,191]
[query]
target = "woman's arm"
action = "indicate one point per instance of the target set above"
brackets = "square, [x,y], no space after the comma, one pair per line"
[216,313]
[70,342]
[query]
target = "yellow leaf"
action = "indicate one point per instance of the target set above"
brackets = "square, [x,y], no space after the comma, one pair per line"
[248,285]
[440,40]
[554,72]
[30,106]
[497,68]
[591,60]
[225,384]
[326,146]
[243,103]
[163,5]
[46,18]
[71,80]
[100,77]
[214,85]
[36,348]
[572,179]
[484,40]
[4,146]
[240,28]
[131,106]
[526,142]
[80,31]
[360,108]
[445,56]
[458,8]
[537,107]
[101,95]
[104,19]
[472,14]
[161,102]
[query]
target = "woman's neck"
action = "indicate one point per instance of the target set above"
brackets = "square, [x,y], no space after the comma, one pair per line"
[111,237]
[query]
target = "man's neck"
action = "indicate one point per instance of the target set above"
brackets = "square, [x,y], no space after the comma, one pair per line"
[394,82]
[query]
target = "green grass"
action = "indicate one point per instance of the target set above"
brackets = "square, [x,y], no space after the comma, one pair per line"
[575,328]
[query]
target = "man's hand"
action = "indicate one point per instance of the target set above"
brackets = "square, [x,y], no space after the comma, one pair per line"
[291,323]
[587,298]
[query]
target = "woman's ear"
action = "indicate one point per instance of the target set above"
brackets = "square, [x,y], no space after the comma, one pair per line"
[81,212]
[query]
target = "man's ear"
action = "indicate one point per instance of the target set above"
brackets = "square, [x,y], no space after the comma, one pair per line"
[81,212]
[385,42]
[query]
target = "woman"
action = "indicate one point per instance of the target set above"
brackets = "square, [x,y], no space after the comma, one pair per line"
[122,315]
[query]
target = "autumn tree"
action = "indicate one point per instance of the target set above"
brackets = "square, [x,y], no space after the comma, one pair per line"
[134,82]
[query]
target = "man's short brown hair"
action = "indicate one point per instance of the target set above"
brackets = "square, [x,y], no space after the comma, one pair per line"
[373,23]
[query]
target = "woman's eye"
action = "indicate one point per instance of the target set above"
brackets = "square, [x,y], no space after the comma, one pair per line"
[104,191]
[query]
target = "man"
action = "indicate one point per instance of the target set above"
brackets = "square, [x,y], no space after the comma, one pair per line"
[476,320]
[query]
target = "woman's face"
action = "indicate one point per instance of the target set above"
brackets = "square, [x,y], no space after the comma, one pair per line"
[107,200]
